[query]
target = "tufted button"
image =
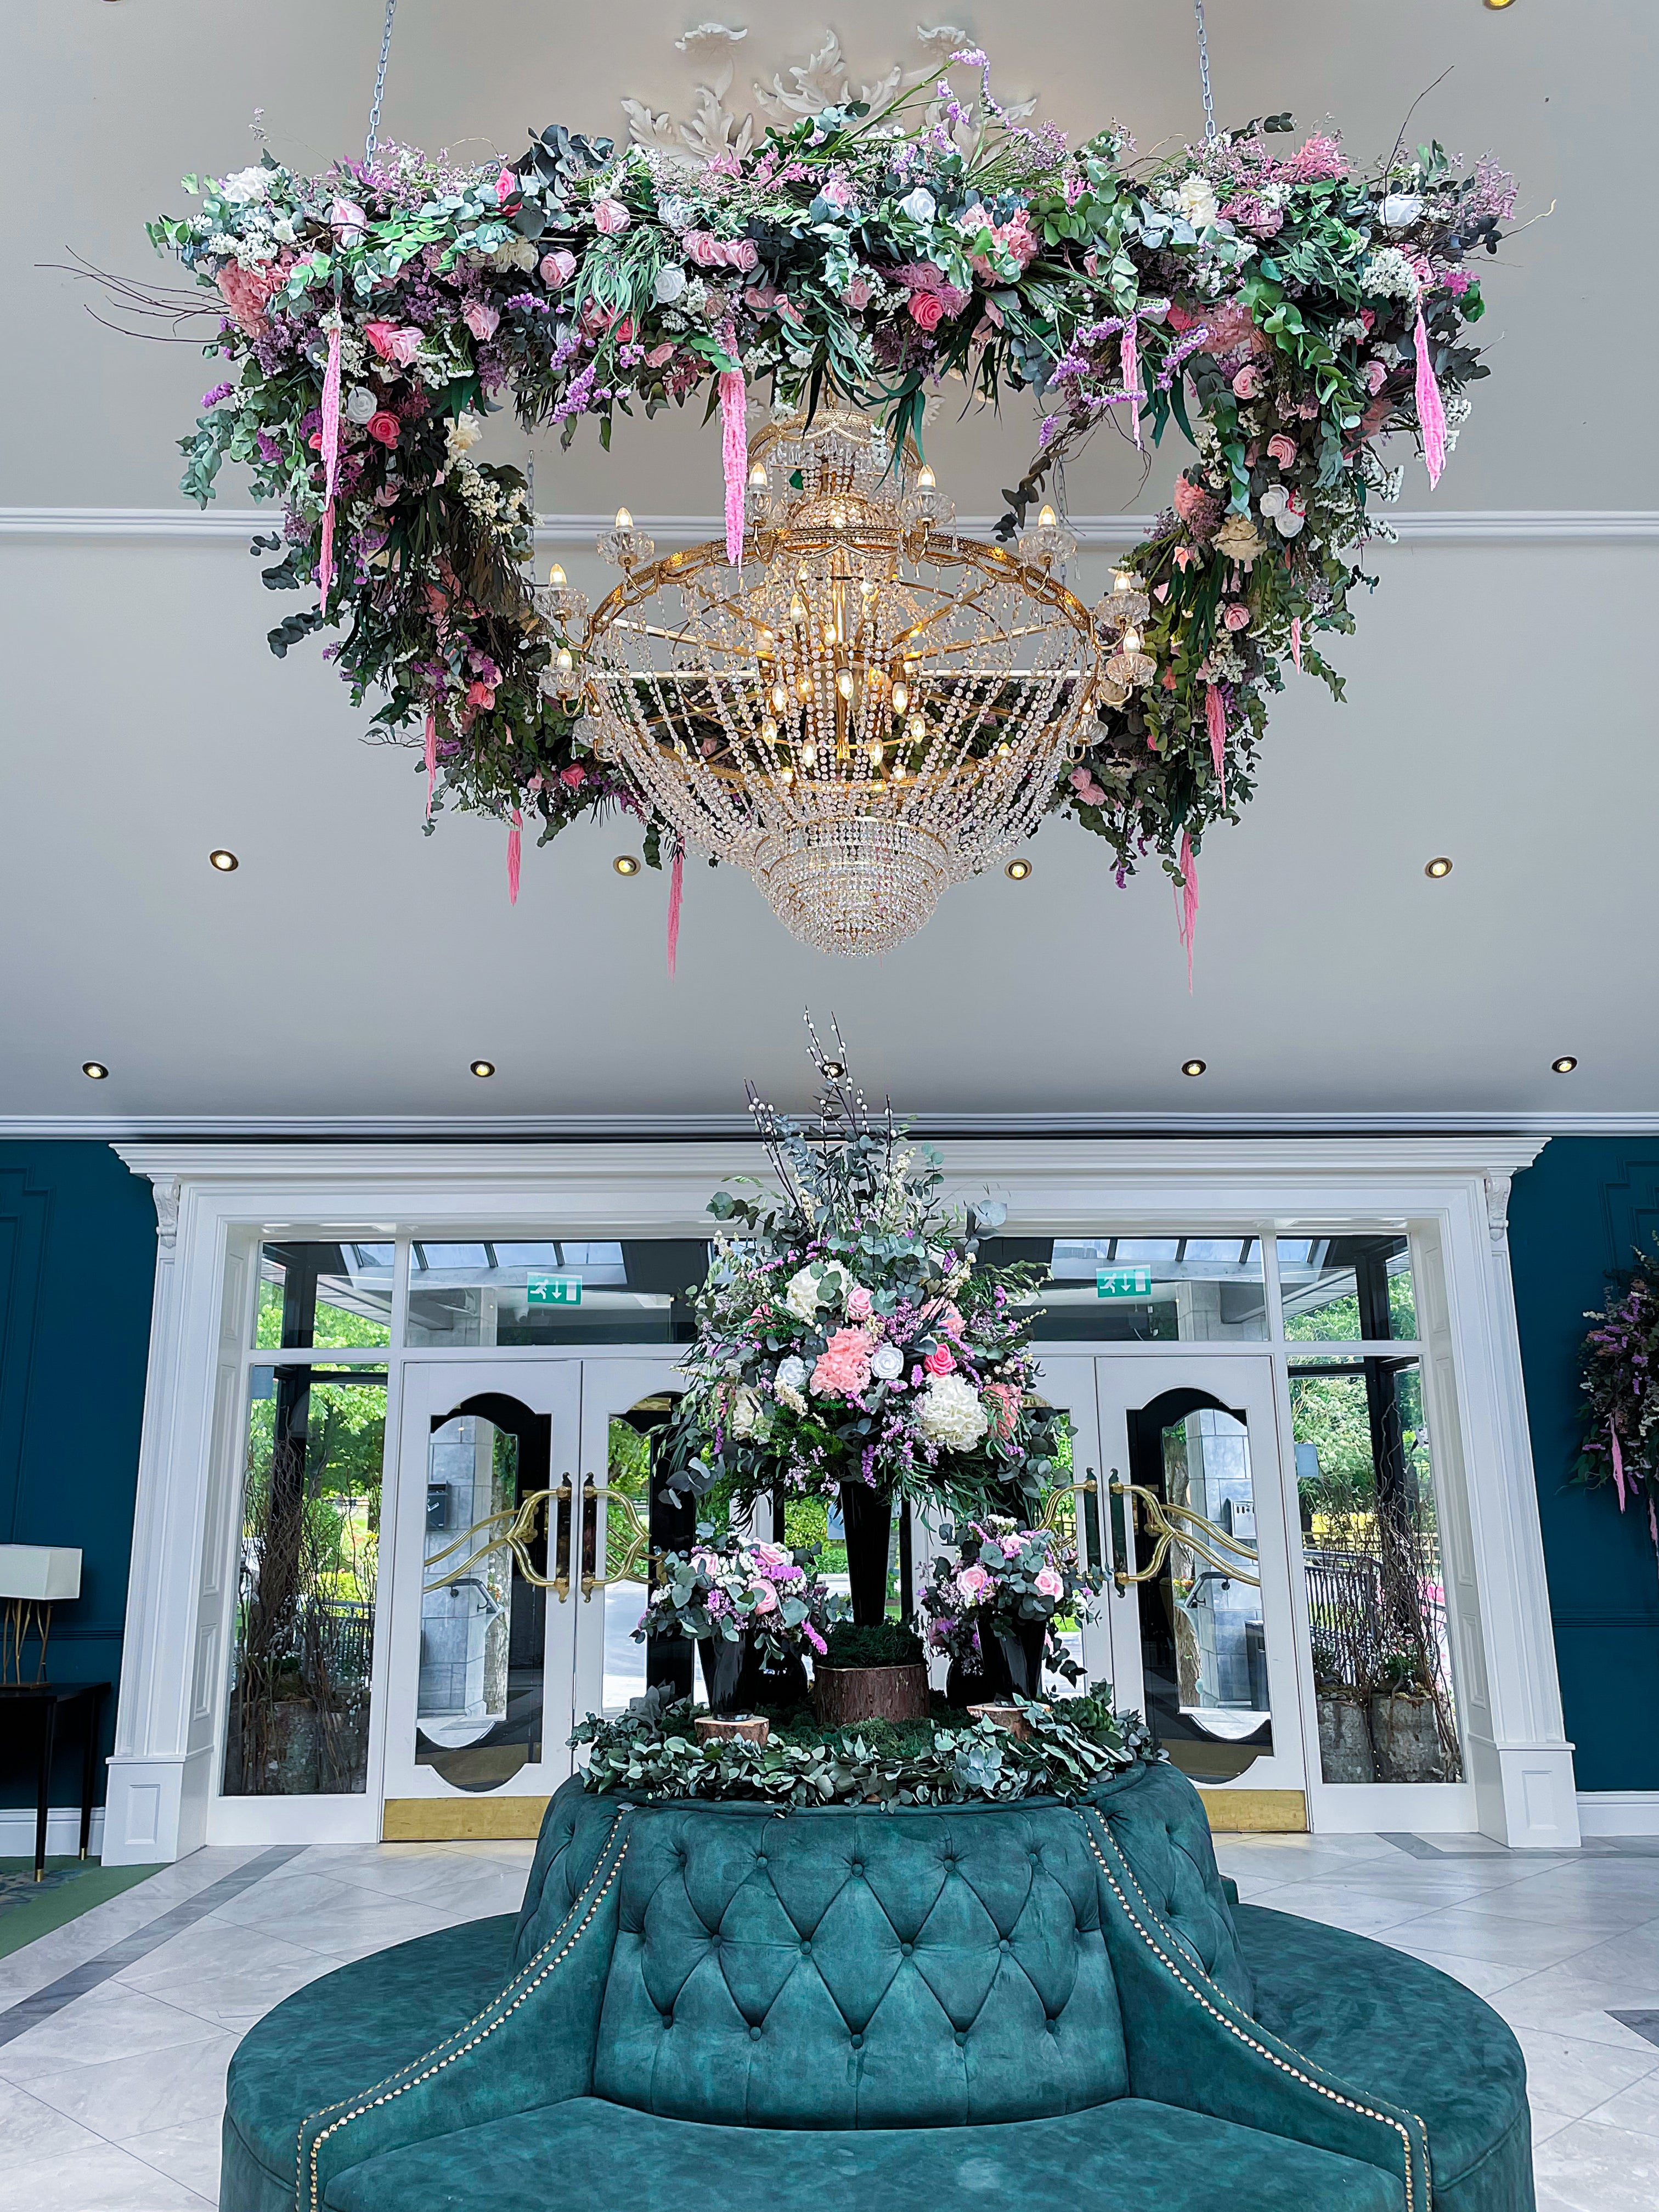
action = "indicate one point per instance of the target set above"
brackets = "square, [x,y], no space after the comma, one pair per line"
[806,1948]
[907,1948]
[858,2041]
[760,1859]
[1004,1945]
[961,2039]
[856,1866]
[754,2035]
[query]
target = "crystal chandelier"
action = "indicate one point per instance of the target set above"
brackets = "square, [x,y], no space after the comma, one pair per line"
[871,707]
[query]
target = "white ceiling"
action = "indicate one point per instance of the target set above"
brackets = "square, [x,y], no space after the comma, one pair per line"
[1499,692]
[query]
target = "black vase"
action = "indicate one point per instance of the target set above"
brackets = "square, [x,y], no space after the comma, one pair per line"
[866,1516]
[1021,1648]
[723,1662]
[777,1683]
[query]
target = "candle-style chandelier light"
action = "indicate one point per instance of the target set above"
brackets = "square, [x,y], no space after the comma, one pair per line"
[871,707]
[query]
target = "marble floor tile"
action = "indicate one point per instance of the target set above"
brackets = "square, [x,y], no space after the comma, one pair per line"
[111,2022]
[1568,2078]
[31,2130]
[220,1973]
[1488,1933]
[122,2096]
[1636,2108]
[290,1900]
[1345,1904]
[99,2179]
[1477,1974]
[187,2151]
[1591,2168]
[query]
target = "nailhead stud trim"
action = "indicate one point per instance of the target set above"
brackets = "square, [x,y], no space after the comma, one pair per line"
[1199,1997]
[525,1983]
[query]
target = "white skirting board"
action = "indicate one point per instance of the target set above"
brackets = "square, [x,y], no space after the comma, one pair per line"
[62,1832]
[1618,1812]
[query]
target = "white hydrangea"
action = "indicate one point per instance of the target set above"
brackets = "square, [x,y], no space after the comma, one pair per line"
[800,1295]
[1388,275]
[743,1412]
[463,434]
[950,1413]
[1459,408]
[514,254]
[1195,202]
[245,185]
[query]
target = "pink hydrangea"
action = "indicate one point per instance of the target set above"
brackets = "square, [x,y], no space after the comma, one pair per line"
[246,292]
[843,1365]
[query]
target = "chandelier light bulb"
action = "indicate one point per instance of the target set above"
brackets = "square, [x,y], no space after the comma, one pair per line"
[555,577]
[916,728]
[899,771]
[624,519]
[804,687]
[758,476]
[786,775]
[877,752]
[562,661]
[780,698]
[1123,581]
[867,589]
[829,633]
[900,697]
[798,609]
[925,480]
[1048,519]
[1130,642]
[844,684]
[770,731]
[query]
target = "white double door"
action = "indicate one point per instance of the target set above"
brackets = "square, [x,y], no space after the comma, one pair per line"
[514,1576]
[1206,1646]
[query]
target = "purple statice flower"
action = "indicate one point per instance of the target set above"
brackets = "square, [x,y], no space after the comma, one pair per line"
[219,391]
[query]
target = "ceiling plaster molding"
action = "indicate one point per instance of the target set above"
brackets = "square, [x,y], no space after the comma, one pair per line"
[693,1128]
[1449,526]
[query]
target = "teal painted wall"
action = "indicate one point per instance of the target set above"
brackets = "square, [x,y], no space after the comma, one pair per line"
[78,1264]
[1575,1215]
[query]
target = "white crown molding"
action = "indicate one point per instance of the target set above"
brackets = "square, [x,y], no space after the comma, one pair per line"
[693,1128]
[1448,526]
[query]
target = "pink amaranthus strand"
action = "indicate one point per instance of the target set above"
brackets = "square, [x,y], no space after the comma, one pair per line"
[431,756]
[1618,1464]
[676,890]
[514,852]
[1129,347]
[1187,903]
[1215,717]
[1296,640]
[1431,413]
[734,450]
[331,436]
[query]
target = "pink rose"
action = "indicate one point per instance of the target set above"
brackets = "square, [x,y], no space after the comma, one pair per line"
[660,354]
[1247,384]
[765,1597]
[1376,375]
[742,254]
[483,322]
[1236,616]
[703,247]
[574,776]
[1282,450]
[940,1361]
[348,222]
[926,310]
[611,217]
[859,1303]
[480,695]
[859,293]
[384,426]
[557,269]
[506,186]
[1049,1583]
[392,343]
[972,1583]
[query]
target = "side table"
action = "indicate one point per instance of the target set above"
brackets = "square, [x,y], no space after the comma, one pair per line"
[46,1705]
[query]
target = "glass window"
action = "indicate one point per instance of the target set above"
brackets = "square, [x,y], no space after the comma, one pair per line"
[1344,1289]
[1203,1642]
[307,1575]
[1376,1596]
[552,1293]
[324,1298]
[1147,1289]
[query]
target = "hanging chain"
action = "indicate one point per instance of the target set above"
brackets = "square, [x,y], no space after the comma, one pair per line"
[1203,72]
[380,85]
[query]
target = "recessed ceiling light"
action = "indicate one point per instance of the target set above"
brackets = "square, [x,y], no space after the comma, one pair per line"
[1192,1066]
[222,860]
[1440,865]
[626,865]
[1565,1066]
[95,1069]
[482,1068]
[1018,870]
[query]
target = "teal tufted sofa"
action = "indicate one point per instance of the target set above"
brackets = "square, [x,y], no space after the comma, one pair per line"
[710,2008]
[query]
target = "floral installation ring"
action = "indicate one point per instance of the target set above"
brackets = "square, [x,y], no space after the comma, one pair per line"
[1283,312]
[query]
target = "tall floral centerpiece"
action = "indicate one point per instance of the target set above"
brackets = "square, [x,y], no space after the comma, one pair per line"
[1620,1383]
[992,1612]
[850,1346]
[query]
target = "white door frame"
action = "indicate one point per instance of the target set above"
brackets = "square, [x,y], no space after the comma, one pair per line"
[215,1200]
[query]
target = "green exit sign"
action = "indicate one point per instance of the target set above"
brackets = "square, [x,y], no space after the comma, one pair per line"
[554,1291]
[1123,1283]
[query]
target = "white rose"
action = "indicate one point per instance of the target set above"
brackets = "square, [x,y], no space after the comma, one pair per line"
[670,286]
[1274,500]
[743,1412]
[801,1296]
[950,1413]
[886,1361]
[245,185]
[1196,201]
[1399,210]
[919,205]
[791,1373]
[360,404]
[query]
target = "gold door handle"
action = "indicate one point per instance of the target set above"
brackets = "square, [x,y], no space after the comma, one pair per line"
[1178,1527]
[514,1530]
[639,1534]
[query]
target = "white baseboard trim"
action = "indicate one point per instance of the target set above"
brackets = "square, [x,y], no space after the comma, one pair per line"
[1618,1812]
[1404,1809]
[62,1832]
[293,1821]
[1446,526]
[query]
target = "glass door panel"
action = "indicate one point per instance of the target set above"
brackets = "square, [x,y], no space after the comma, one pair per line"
[1201,1623]
[625,1402]
[481,1639]
[1068,1381]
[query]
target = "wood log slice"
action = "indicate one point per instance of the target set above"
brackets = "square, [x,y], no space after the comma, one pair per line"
[844,1695]
[751,1727]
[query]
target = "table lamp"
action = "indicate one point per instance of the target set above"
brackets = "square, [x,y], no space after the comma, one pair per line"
[32,1577]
